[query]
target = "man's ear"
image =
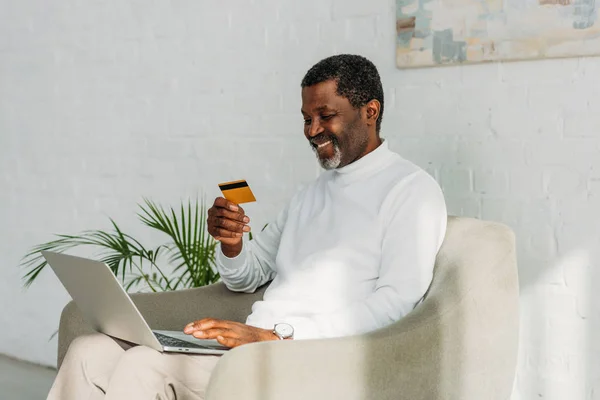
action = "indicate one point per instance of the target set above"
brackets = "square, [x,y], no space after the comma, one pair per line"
[373,108]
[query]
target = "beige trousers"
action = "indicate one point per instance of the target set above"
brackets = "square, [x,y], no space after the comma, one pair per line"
[98,367]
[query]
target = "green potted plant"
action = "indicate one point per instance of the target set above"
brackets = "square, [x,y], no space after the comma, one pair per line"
[186,260]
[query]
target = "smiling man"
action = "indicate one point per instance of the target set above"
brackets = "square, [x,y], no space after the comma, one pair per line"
[335,112]
[352,252]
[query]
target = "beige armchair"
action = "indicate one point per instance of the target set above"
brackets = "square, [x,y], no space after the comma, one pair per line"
[459,343]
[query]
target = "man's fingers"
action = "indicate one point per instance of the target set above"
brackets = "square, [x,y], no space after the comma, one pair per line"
[228,333]
[213,333]
[209,323]
[223,233]
[224,203]
[191,327]
[200,324]
[228,224]
[226,220]
[234,216]
[229,342]
[226,233]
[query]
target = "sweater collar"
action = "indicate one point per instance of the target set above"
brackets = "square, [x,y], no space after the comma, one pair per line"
[370,162]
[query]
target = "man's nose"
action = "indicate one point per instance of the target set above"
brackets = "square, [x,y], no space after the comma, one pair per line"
[314,128]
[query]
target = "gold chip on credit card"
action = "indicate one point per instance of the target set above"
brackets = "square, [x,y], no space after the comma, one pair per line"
[237,191]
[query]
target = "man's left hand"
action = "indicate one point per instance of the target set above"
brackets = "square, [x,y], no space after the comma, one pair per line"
[228,333]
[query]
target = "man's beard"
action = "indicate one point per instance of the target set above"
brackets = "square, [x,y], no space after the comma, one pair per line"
[333,161]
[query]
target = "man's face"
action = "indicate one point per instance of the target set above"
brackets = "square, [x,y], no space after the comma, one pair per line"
[337,132]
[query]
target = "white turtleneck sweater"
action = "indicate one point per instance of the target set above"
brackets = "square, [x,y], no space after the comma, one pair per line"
[352,252]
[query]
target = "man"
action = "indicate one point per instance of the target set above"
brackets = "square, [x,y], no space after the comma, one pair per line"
[352,252]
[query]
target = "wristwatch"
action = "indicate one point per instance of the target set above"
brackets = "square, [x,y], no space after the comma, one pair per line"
[283,331]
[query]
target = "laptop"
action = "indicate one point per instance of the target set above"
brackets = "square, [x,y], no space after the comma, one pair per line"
[107,307]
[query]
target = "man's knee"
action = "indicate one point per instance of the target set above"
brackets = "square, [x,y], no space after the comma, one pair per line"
[88,346]
[139,367]
[139,358]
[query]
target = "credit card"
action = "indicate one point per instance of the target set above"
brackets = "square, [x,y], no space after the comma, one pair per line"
[237,191]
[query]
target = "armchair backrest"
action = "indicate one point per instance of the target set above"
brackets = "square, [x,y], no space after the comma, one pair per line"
[462,340]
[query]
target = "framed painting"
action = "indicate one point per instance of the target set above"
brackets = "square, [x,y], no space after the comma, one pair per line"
[446,32]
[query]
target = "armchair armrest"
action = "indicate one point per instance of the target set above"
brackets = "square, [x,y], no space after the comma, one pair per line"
[167,310]
[434,353]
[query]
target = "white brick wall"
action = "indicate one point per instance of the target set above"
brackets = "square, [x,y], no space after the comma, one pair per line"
[102,103]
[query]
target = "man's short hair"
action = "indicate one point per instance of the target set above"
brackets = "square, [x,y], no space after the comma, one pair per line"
[357,80]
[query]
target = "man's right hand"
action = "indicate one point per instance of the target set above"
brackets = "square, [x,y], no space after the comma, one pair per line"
[227,224]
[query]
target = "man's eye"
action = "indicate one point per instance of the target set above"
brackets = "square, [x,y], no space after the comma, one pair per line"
[307,122]
[326,117]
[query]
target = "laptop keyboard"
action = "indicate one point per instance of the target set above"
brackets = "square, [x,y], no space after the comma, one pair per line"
[173,342]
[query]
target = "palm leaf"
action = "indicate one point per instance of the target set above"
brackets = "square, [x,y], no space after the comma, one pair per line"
[35,263]
[190,249]
[186,228]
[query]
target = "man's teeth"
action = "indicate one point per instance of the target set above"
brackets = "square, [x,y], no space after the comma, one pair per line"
[324,144]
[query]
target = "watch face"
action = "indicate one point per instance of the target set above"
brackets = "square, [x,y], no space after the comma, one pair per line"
[285,330]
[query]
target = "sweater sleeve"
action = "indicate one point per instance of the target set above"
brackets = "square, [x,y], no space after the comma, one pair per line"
[255,265]
[414,224]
